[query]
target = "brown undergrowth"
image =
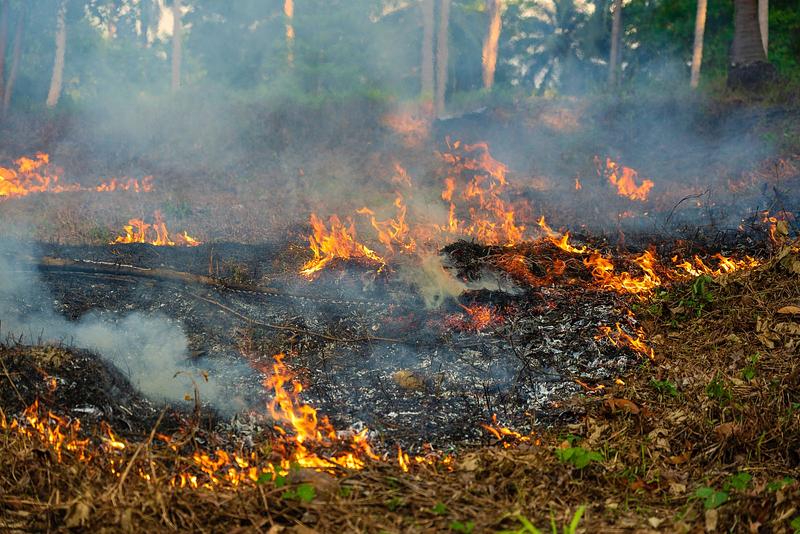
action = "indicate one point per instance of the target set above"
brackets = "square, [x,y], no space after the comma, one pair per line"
[705,437]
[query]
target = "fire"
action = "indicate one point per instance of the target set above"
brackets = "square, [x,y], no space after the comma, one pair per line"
[138,231]
[578,185]
[603,272]
[619,338]
[301,428]
[337,242]
[36,175]
[562,241]
[392,231]
[624,179]
[726,265]
[504,435]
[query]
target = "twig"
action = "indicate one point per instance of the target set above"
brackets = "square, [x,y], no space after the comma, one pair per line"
[681,201]
[136,453]
[293,328]
[11,381]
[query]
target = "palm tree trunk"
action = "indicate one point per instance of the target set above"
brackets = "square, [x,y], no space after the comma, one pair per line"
[57,79]
[442,56]
[616,28]
[16,55]
[489,55]
[763,24]
[697,50]
[288,10]
[3,39]
[747,45]
[426,76]
[177,44]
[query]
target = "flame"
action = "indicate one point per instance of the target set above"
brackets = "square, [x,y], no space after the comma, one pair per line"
[578,185]
[338,242]
[620,338]
[138,231]
[392,230]
[562,241]
[603,272]
[624,179]
[504,435]
[301,428]
[726,265]
[36,175]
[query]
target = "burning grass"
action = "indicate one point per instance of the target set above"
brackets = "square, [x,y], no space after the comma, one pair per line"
[684,443]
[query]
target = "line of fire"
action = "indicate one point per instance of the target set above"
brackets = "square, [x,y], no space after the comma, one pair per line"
[316,282]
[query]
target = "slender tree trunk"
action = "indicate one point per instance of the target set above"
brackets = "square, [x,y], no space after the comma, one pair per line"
[442,56]
[616,29]
[697,50]
[763,24]
[3,40]
[489,54]
[177,44]
[426,77]
[16,55]
[288,11]
[57,79]
[747,44]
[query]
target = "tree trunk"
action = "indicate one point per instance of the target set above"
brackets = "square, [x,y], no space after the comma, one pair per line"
[749,68]
[177,44]
[288,10]
[747,45]
[489,54]
[616,29]
[697,50]
[763,24]
[57,79]
[426,76]
[16,55]
[3,39]
[442,59]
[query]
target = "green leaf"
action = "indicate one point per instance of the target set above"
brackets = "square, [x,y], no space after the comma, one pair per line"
[711,498]
[795,524]
[439,509]
[306,492]
[780,484]
[264,478]
[739,481]
[467,526]
[576,519]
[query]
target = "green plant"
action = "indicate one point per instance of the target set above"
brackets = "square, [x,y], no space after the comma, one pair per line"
[701,296]
[749,372]
[739,482]
[578,456]
[664,387]
[462,526]
[304,493]
[711,497]
[795,524]
[776,485]
[528,528]
[395,503]
[439,508]
[717,391]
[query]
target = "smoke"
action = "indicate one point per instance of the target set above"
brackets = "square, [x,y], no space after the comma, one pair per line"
[151,350]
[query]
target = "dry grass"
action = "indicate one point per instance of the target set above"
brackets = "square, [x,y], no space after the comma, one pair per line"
[722,398]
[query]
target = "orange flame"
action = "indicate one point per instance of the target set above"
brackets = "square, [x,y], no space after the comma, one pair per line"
[338,242]
[138,231]
[624,179]
[35,175]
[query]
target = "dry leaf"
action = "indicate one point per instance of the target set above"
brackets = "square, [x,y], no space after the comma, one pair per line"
[78,515]
[622,404]
[676,488]
[408,380]
[680,459]
[725,430]
[712,516]
[654,521]
[469,463]
[792,310]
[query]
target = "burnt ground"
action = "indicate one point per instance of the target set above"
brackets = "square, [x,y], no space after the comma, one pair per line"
[366,349]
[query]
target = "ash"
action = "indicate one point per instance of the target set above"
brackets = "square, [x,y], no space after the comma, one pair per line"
[369,353]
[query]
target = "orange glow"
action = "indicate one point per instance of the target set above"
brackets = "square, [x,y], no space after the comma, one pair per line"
[562,241]
[337,242]
[505,435]
[624,179]
[36,175]
[620,338]
[578,185]
[138,231]
[625,282]
[300,427]
[392,231]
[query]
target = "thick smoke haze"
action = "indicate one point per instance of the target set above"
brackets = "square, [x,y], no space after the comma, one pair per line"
[150,350]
